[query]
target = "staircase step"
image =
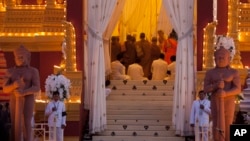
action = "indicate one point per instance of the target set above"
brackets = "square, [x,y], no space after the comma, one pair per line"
[140,103]
[139,117]
[144,127]
[139,112]
[245,102]
[144,93]
[140,87]
[138,107]
[140,82]
[139,122]
[139,133]
[139,97]
[136,138]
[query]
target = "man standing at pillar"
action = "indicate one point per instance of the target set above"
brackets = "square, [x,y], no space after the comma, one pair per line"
[223,82]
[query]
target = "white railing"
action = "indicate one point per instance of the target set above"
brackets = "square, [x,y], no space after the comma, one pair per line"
[42,132]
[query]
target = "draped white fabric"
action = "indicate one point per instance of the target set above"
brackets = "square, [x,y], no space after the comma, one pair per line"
[99,13]
[164,22]
[146,16]
[108,32]
[181,17]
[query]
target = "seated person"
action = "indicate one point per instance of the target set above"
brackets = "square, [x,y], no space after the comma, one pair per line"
[118,69]
[159,68]
[135,71]
[172,66]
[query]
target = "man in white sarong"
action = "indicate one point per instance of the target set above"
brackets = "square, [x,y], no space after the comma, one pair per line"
[159,68]
[199,117]
[135,71]
[118,69]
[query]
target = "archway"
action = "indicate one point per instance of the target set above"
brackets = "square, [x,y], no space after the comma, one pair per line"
[97,22]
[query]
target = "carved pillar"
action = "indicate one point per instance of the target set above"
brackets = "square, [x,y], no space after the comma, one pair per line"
[208,45]
[70,64]
[233,31]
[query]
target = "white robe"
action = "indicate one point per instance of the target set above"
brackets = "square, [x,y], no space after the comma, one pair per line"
[171,68]
[135,72]
[118,71]
[200,118]
[159,69]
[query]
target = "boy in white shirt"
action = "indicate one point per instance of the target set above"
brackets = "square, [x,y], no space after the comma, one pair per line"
[56,113]
[199,117]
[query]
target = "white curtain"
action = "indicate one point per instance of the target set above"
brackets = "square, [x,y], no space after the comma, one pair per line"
[181,16]
[99,13]
[108,33]
[139,16]
[164,22]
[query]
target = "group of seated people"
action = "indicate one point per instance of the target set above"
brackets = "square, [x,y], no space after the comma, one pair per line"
[143,59]
[160,69]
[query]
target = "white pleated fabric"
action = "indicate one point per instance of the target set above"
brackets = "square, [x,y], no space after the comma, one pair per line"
[181,16]
[99,13]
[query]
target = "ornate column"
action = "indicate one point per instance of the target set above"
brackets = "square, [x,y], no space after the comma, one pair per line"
[208,45]
[233,31]
[70,64]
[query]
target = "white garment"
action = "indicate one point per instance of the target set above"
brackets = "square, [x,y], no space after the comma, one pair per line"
[59,134]
[159,69]
[56,118]
[118,71]
[200,118]
[135,72]
[107,91]
[171,68]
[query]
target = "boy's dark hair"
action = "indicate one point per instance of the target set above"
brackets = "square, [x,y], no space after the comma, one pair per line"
[55,93]
[201,91]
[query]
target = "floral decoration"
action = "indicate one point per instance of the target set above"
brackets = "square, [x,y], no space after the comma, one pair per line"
[58,83]
[227,43]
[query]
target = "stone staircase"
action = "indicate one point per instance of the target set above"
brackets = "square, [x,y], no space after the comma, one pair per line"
[139,111]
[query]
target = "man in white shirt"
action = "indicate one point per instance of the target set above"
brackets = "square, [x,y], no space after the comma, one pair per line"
[56,113]
[118,69]
[199,117]
[171,66]
[159,68]
[135,71]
